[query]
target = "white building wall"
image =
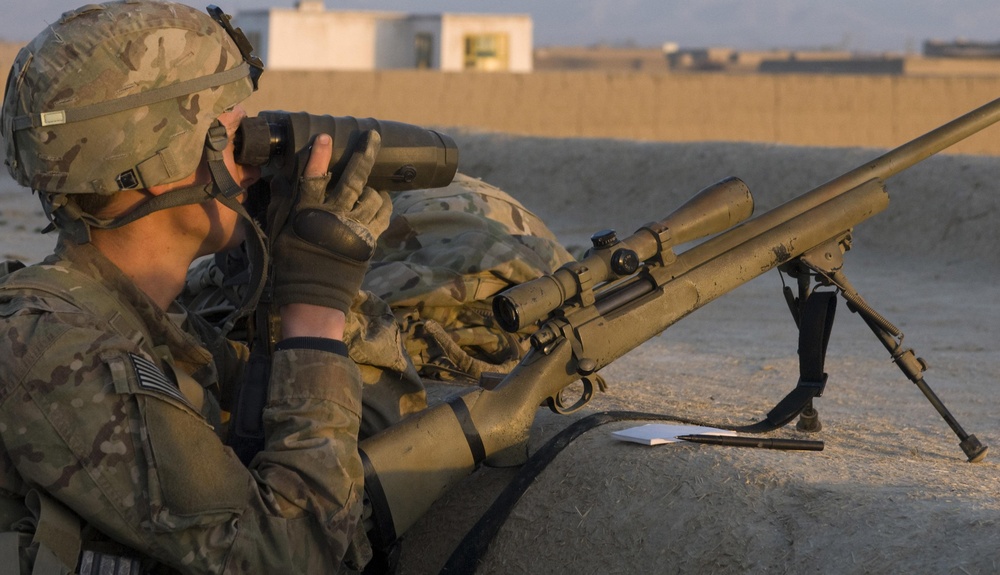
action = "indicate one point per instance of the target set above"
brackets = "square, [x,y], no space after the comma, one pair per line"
[322,40]
[311,38]
[455,27]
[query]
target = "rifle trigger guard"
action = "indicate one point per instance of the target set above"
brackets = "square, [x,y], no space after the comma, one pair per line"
[557,405]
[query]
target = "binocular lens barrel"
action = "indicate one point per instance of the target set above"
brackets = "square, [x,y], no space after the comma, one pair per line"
[411,157]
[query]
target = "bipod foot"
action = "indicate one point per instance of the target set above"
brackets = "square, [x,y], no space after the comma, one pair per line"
[973,449]
[809,420]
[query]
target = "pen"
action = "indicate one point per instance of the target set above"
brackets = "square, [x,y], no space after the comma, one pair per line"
[764,443]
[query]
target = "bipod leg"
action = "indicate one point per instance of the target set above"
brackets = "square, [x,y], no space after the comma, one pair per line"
[912,366]
[813,313]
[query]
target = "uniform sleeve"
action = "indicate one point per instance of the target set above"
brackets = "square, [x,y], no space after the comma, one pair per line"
[83,418]
[310,462]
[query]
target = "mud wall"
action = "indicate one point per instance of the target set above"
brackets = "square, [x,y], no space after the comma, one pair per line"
[805,110]
[802,110]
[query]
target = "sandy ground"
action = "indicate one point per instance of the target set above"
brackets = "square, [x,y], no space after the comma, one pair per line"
[891,492]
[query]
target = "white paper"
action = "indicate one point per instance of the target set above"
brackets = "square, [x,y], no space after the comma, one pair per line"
[660,433]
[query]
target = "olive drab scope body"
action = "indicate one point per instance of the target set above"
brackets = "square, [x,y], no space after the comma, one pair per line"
[714,209]
[411,157]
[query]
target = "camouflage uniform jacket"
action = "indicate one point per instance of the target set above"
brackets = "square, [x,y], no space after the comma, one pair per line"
[94,412]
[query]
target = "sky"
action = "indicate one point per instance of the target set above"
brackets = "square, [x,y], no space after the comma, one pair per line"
[856,25]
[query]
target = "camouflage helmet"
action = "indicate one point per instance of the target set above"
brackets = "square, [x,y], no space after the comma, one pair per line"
[120,95]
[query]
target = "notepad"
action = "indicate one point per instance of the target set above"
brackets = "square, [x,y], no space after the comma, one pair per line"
[659,433]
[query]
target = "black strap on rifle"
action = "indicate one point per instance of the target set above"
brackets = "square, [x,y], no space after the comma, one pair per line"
[815,325]
[467,555]
[385,543]
[470,551]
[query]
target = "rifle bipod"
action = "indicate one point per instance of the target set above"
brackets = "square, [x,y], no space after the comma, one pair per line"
[825,264]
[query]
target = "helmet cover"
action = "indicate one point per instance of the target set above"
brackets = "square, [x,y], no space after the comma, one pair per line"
[118,95]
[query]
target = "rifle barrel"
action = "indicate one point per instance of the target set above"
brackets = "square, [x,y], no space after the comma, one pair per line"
[882,167]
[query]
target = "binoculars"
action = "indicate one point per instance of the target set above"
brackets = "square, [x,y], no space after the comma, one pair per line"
[411,157]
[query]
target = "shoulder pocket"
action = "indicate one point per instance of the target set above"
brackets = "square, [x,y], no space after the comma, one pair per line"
[193,479]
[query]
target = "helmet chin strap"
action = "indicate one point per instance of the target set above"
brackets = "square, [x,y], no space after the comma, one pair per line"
[226,190]
[67,216]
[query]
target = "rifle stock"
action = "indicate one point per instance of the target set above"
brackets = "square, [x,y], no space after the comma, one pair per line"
[593,314]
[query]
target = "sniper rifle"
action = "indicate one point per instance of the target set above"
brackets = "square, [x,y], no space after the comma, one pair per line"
[624,292]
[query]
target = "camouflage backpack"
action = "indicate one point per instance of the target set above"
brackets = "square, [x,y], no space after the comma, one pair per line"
[446,253]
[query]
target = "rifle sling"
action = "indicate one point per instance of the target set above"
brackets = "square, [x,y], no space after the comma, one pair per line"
[382,534]
[246,429]
[467,555]
[814,335]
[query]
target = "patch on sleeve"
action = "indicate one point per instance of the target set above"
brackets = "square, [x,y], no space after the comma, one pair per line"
[151,378]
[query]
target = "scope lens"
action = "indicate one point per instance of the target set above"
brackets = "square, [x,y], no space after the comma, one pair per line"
[505,311]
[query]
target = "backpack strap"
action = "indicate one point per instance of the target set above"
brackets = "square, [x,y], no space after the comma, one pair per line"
[61,281]
[57,532]
[10,266]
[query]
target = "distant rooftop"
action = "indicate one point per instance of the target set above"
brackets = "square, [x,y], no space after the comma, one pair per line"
[961,49]
[974,59]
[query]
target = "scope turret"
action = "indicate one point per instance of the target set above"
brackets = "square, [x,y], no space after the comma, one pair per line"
[714,209]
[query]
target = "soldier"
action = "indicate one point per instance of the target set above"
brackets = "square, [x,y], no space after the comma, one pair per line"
[113,400]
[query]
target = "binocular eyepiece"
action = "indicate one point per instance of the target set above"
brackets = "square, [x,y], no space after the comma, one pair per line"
[411,157]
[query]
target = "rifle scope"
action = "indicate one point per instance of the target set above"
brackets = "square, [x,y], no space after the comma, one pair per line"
[411,157]
[714,209]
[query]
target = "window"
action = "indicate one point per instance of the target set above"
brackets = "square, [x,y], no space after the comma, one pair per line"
[423,45]
[486,52]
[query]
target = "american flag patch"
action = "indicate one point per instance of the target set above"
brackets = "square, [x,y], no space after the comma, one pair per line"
[150,377]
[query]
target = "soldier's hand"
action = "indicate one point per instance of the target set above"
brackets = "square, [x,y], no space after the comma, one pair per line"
[321,252]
